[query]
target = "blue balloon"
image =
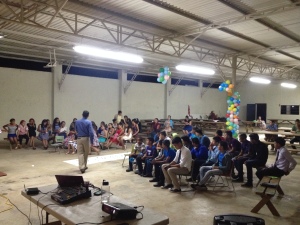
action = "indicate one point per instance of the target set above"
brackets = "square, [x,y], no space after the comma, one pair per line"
[231,98]
[161,74]
[158,80]
[166,68]
[165,81]
[220,88]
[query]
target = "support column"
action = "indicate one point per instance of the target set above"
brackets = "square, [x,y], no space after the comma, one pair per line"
[122,76]
[234,59]
[200,85]
[166,97]
[55,95]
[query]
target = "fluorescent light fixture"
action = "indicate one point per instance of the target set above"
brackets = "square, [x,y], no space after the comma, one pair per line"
[1,36]
[121,56]
[195,69]
[288,85]
[260,80]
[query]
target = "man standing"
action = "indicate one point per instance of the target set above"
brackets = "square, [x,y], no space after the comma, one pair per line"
[181,165]
[85,134]
[284,162]
[259,156]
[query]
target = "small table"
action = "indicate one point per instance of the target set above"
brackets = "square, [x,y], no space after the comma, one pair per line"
[88,210]
[267,189]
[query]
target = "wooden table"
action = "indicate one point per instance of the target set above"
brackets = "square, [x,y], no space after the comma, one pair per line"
[278,132]
[89,210]
[285,128]
[210,125]
[279,121]
[266,193]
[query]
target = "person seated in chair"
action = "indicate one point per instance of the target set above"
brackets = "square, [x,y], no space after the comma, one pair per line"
[219,133]
[244,155]
[167,156]
[284,162]
[187,129]
[149,155]
[233,144]
[213,152]
[187,142]
[204,140]
[181,165]
[259,157]
[295,129]
[199,155]
[137,151]
[222,166]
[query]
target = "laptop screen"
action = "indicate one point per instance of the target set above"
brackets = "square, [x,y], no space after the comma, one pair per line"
[69,181]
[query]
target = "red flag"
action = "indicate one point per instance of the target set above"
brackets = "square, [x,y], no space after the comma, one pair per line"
[189,110]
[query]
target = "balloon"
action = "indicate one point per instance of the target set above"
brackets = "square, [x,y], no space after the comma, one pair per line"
[158,79]
[161,79]
[237,127]
[220,88]
[161,74]
[234,110]
[229,93]
[231,120]
[169,73]
[227,123]
[231,86]
[230,127]
[161,70]
[231,116]
[166,77]
[166,68]
[158,75]
[227,82]
[165,81]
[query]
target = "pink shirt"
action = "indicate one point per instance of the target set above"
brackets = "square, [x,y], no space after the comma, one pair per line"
[22,129]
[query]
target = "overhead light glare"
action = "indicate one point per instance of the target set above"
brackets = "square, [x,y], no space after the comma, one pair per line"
[97,52]
[260,80]
[288,85]
[1,36]
[195,69]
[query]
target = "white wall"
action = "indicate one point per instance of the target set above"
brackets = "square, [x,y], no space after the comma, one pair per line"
[24,94]
[273,95]
[182,96]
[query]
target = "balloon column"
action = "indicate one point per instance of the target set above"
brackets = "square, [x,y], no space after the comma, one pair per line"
[163,75]
[233,111]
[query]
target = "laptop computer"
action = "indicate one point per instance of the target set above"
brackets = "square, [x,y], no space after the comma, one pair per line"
[70,188]
[69,181]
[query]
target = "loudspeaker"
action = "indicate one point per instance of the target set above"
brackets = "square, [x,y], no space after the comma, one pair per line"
[237,219]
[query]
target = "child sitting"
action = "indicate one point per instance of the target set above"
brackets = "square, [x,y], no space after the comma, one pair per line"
[137,151]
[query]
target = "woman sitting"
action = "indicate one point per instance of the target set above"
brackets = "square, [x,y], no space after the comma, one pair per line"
[23,133]
[44,133]
[102,134]
[126,137]
[63,129]
[11,129]
[70,142]
[114,138]
[135,129]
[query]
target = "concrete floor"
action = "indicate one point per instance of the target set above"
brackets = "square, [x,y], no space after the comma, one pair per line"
[187,208]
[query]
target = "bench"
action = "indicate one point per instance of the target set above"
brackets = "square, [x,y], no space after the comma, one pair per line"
[266,189]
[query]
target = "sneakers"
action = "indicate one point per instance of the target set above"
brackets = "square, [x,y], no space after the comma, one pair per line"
[167,186]
[158,185]
[248,185]
[129,170]
[199,187]
[174,190]
[153,180]
[147,175]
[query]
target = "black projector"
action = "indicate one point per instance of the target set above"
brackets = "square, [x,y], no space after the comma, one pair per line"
[119,211]
[237,219]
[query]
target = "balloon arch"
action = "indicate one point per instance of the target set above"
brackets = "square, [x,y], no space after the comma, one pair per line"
[233,110]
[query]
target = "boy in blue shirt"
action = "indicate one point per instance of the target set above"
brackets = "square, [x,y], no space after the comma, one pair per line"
[167,156]
[150,154]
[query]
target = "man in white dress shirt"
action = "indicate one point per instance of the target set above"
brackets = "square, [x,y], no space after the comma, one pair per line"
[284,162]
[181,165]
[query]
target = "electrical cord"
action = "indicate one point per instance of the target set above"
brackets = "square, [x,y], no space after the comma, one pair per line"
[111,219]
[12,204]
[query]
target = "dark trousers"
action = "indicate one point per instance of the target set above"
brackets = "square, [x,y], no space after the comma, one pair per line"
[139,163]
[238,163]
[196,167]
[249,165]
[21,138]
[295,139]
[272,171]
[159,175]
[148,167]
